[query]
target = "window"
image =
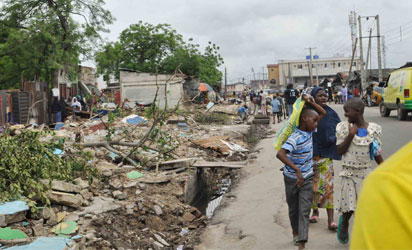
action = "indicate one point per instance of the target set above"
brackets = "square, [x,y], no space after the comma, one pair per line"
[326,65]
[300,66]
[354,64]
[338,64]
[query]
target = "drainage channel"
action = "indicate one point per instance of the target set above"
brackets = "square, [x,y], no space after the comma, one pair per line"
[212,186]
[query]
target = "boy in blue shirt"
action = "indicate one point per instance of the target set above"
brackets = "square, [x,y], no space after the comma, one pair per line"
[296,154]
[242,112]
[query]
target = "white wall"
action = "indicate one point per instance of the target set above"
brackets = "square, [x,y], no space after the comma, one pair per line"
[142,87]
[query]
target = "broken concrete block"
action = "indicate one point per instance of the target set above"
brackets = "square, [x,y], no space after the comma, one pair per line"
[115,183]
[71,200]
[188,217]
[130,184]
[63,186]
[158,210]
[11,212]
[86,194]
[82,183]
[100,205]
[119,195]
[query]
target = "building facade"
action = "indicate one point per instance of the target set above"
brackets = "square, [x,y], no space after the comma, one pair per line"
[237,87]
[297,71]
[273,73]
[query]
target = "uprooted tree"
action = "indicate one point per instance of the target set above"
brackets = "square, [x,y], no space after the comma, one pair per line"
[159,48]
[38,38]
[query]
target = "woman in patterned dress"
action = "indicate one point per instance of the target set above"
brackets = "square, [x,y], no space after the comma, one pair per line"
[359,143]
[324,152]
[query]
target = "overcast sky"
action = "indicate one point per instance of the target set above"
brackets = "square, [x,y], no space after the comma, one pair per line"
[252,34]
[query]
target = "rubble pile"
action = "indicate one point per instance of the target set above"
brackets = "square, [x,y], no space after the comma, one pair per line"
[149,172]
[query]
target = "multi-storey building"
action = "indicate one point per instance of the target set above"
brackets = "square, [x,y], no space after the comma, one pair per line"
[297,71]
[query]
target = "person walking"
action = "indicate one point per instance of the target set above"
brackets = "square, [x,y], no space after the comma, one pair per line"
[324,152]
[359,143]
[369,91]
[290,95]
[296,154]
[344,92]
[276,110]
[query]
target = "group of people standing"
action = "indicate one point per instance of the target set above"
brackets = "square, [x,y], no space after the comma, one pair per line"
[309,155]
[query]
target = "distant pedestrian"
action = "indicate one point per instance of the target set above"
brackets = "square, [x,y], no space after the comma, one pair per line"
[369,91]
[296,154]
[324,152]
[290,95]
[242,112]
[359,143]
[263,102]
[76,106]
[276,110]
[344,93]
[56,110]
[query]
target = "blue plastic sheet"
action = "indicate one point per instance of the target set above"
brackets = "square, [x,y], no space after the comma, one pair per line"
[136,120]
[58,126]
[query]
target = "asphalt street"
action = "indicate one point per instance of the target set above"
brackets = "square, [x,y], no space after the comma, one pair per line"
[254,213]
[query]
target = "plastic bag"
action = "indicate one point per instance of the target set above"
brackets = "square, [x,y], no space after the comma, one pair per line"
[283,134]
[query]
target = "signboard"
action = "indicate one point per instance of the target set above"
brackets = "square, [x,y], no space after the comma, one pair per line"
[314,57]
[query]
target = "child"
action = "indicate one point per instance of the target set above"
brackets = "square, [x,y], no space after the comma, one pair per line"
[242,112]
[276,109]
[296,154]
[358,142]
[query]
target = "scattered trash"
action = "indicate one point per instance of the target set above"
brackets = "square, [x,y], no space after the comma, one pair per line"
[184,232]
[209,105]
[134,120]
[134,175]
[58,126]
[58,151]
[183,125]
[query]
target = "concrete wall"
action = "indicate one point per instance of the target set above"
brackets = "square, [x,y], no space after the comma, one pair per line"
[141,87]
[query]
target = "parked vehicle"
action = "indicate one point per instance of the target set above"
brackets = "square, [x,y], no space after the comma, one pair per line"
[397,93]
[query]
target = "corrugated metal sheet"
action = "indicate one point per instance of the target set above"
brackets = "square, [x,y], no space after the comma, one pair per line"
[39,99]
[21,103]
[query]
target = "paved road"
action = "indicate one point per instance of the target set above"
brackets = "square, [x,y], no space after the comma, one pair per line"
[255,216]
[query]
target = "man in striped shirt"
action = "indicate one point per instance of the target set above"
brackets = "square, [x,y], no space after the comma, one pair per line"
[297,154]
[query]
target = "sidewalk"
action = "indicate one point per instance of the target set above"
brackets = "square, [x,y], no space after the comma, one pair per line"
[256,217]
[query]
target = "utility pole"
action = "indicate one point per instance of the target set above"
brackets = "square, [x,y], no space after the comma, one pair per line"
[361,53]
[380,74]
[225,83]
[384,52]
[352,24]
[310,65]
[368,54]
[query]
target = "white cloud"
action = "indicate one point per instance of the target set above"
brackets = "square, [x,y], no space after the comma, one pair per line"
[256,33]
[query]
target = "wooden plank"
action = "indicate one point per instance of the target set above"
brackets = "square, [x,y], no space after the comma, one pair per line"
[208,164]
[183,160]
